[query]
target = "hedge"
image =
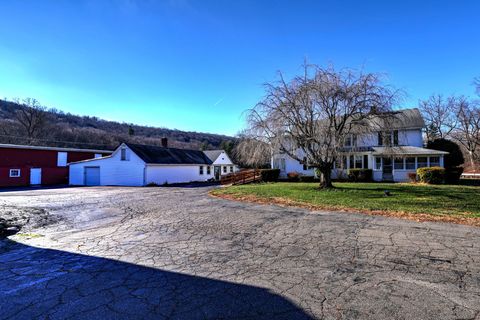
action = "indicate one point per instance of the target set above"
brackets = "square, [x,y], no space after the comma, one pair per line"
[360,175]
[431,175]
[270,175]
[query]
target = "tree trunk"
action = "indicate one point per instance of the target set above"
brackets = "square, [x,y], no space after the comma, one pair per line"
[325,178]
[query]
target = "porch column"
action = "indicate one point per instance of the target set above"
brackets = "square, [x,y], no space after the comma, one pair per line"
[441,161]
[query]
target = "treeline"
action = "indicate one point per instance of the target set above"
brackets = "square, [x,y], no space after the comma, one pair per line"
[29,122]
[457,119]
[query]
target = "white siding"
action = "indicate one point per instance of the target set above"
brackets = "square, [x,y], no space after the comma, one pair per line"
[410,137]
[113,171]
[292,165]
[223,158]
[160,174]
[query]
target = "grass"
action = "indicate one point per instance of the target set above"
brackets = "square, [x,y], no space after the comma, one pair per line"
[439,201]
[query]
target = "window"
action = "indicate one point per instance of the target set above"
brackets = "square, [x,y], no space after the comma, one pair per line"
[434,161]
[380,138]
[337,163]
[365,161]
[304,162]
[208,170]
[201,169]
[352,162]
[410,161]
[61,159]
[97,155]
[344,162]
[422,162]
[231,169]
[279,164]
[358,161]
[395,138]
[224,169]
[123,154]
[378,163]
[14,173]
[398,164]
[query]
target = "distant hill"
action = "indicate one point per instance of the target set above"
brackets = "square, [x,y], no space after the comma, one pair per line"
[67,130]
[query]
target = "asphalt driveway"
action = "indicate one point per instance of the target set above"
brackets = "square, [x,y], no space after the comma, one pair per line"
[176,253]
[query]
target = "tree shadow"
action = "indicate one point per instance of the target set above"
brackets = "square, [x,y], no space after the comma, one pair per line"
[55,284]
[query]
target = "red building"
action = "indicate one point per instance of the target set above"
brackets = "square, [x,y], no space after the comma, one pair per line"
[33,165]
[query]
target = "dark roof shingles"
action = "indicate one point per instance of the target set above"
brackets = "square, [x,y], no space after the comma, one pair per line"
[161,155]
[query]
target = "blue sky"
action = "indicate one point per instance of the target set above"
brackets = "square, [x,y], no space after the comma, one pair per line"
[197,65]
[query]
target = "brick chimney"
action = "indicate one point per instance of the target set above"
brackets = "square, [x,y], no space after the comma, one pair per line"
[165,142]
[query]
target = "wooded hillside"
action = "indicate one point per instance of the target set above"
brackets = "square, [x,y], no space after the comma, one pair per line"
[51,127]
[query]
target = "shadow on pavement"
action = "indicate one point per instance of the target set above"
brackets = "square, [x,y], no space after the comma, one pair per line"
[37,282]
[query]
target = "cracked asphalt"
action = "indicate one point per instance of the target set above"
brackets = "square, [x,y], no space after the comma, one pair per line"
[176,253]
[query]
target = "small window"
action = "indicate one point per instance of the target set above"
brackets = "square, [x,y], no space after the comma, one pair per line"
[422,162]
[410,162]
[348,141]
[304,162]
[201,169]
[378,163]
[434,161]
[14,173]
[337,163]
[380,138]
[358,161]
[231,169]
[224,169]
[123,154]
[61,159]
[208,170]
[398,163]
[395,138]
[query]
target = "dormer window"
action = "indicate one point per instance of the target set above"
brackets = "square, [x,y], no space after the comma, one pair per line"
[350,140]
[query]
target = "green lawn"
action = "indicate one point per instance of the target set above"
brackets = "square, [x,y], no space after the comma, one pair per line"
[439,200]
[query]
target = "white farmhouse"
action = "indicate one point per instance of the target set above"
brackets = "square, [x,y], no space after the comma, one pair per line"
[391,154]
[139,165]
[222,164]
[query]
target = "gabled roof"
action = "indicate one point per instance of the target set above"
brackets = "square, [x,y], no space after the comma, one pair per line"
[213,154]
[398,119]
[161,155]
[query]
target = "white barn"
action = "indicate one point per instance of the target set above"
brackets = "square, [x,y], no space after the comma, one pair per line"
[140,165]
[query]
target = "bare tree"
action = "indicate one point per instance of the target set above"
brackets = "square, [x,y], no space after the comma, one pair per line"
[251,152]
[439,115]
[32,117]
[310,117]
[467,132]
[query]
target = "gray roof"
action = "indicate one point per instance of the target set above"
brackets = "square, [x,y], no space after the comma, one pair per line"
[406,150]
[213,154]
[161,155]
[399,119]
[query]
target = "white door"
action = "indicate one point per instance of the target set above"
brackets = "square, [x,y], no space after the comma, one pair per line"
[92,176]
[35,176]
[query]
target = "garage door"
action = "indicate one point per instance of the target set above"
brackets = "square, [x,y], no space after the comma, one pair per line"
[92,176]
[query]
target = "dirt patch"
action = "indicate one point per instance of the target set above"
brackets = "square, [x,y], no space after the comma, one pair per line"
[419,217]
[24,218]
